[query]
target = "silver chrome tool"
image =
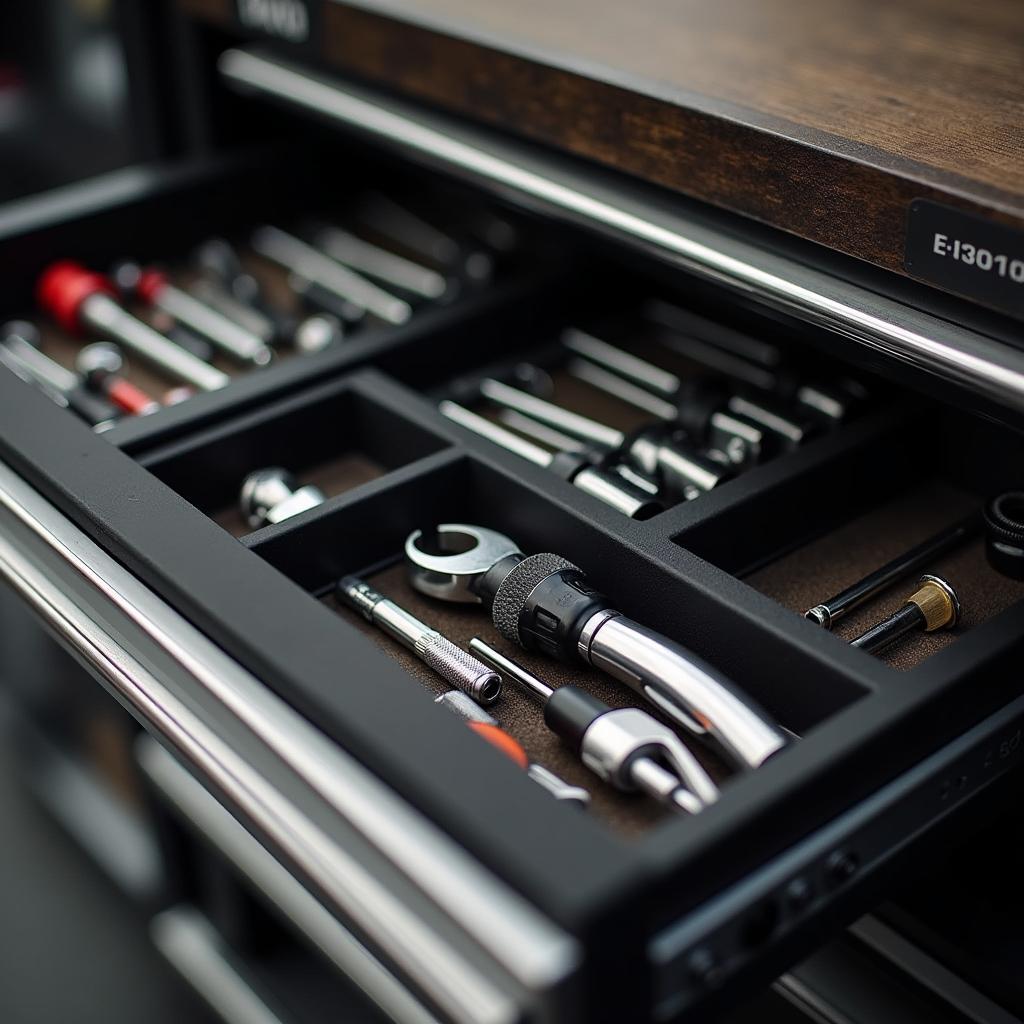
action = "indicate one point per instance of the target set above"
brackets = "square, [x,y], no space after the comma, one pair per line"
[625,747]
[756,361]
[575,467]
[542,602]
[829,612]
[657,451]
[382,264]
[451,663]
[270,496]
[612,370]
[224,333]
[21,345]
[84,301]
[310,263]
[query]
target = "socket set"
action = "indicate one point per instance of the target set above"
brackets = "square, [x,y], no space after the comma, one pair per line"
[626,589]
[642,434]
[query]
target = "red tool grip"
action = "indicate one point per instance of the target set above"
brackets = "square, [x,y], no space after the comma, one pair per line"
[64,286]
[149,285]
[501,739]
[128,397]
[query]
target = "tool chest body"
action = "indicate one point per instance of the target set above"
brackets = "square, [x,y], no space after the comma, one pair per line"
[281,740]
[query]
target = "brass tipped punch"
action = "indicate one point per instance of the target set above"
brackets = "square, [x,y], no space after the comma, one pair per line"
[933,606]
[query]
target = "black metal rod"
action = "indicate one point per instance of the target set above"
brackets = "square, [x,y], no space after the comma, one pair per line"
[831,611]
[906,620]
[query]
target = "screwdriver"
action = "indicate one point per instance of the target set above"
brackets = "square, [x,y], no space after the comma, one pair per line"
[486,727]
[573,466]
[625,747]
[152,287]
[655,451]
[21,351]
[471,677]
[80,300]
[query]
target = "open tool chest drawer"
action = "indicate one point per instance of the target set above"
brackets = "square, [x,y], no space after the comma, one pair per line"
[420,862]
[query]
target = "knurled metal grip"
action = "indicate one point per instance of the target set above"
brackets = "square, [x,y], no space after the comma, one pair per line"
[462,670]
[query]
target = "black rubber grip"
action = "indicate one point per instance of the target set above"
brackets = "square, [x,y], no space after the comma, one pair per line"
[511,596]
[570,712]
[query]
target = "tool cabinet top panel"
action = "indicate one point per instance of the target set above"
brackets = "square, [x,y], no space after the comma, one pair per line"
[824,118]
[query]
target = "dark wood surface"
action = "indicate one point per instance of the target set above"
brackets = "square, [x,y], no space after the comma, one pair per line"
[825,119]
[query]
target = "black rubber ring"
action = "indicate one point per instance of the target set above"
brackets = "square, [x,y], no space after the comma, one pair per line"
[1004,517]
[1004,534]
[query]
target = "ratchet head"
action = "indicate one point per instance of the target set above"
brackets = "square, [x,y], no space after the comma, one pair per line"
[448,563]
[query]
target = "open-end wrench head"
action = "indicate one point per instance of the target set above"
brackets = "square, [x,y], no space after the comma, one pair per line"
[463,555]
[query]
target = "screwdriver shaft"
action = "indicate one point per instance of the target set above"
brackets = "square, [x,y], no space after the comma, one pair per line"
[105,316]
[624,390]
[496,433]
[380,263]
[307,261]
[227,335]
[621,362]
[553,415]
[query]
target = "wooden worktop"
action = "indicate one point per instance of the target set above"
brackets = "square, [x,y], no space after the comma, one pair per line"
[822,117]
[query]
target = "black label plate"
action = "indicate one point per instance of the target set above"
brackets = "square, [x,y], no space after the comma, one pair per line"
[962,253]
[289,21]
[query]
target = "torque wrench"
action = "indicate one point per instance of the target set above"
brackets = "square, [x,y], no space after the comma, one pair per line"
[21,344]
[451,663]
[80,300]
[152,287]
[934,605]
[655,451]
[829,612]
[625,747]
[381,264]
[308,262]
[574,467]
[100,365]
[543,603]
[270,496]
[485,725]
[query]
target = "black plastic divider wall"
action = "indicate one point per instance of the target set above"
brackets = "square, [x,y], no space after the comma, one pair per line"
[297,433]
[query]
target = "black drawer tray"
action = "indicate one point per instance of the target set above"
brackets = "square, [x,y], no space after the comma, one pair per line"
[669,913]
